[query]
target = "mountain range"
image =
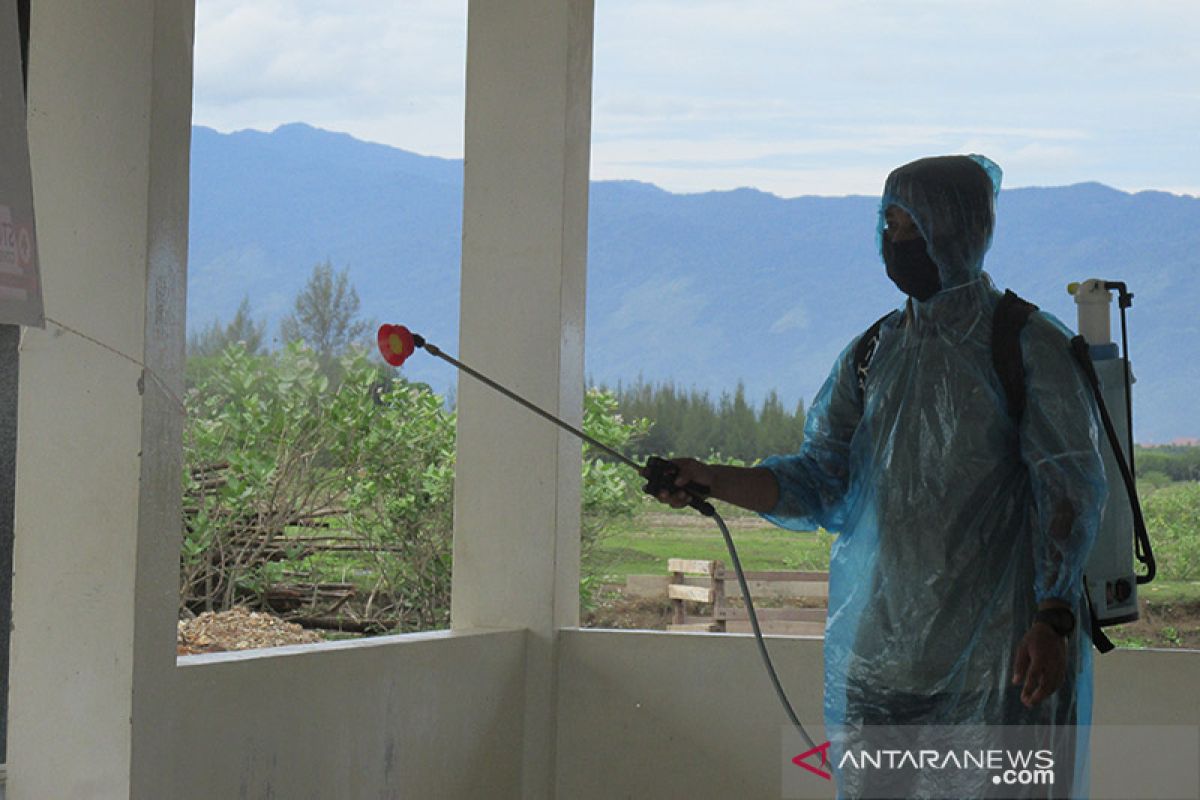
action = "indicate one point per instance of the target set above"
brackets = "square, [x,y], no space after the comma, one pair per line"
[705,289]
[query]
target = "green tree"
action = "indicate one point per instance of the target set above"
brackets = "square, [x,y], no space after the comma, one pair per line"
[699,431]
[216,337]
[689,423]
[325,317]
[1178,462]
[739,427]
[205,347]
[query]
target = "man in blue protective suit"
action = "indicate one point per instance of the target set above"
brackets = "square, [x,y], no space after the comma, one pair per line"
[956,579]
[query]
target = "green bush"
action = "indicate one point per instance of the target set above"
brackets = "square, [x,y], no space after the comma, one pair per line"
[610,489]
[1172,516]
[274,453]
[1178,462]
[291,483]
[1153,479]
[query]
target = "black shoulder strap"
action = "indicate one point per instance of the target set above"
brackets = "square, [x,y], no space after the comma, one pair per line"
[864,351]
[1012,312]
[1100,639]
[1009,318]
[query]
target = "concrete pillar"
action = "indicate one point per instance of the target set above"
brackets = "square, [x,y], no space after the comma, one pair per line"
[97,513]
[517,500]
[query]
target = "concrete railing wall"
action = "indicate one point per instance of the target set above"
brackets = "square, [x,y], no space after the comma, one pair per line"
[434,715]
[644,714]
[640,714]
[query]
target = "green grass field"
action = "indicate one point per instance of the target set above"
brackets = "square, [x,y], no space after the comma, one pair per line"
[643,545]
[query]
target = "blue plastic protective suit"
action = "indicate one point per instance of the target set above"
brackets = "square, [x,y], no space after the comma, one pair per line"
[954,521]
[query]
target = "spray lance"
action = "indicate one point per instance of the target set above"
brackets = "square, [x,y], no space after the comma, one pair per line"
[397,343]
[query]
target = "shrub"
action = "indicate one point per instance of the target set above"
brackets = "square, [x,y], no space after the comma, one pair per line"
[273,454]
[1172,516]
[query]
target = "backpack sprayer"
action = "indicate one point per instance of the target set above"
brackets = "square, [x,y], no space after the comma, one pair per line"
[1110,579]
[397,343]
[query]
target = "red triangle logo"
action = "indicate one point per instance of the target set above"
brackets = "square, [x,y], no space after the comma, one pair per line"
[801,760]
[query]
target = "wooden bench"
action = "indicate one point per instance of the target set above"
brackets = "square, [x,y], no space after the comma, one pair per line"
[711,590]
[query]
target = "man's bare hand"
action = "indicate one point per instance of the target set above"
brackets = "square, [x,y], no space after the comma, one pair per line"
[1040,663]
[690,471]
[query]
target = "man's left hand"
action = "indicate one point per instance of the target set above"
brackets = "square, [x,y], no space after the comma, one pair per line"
[1041,663]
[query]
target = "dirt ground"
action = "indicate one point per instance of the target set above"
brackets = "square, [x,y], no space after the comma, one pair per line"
[735,519]
[1172,625]
[1165,625]
[238,629]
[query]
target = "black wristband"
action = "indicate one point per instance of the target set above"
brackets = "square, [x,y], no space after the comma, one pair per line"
[1060,620]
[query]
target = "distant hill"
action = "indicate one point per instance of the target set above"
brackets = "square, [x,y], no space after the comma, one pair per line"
[703,289]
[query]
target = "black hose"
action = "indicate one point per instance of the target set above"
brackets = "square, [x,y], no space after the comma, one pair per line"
[1081,349]
[758,636]
[661,477]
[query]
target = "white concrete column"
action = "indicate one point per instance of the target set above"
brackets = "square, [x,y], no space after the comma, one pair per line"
[98,462]
[516,537]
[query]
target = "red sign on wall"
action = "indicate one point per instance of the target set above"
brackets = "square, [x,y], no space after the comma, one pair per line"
[20,287]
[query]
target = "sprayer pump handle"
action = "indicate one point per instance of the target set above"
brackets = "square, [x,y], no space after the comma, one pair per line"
[660,477]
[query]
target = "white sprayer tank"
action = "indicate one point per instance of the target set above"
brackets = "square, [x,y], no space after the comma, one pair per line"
[1111,581]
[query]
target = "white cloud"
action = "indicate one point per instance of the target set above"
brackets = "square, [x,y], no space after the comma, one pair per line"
[792,97]
[795,318]
[385,71]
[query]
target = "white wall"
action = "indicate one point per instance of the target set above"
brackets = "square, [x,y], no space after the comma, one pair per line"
[434,715]
[646,714]
[517,477]
[640,714]
[97,504]
[1157,692]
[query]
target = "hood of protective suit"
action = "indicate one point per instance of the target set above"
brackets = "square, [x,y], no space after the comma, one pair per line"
[952,200]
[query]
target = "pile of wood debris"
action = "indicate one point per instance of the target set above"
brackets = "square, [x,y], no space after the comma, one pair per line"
[238,629]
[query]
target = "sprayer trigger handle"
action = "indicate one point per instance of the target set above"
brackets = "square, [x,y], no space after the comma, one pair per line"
[660,477]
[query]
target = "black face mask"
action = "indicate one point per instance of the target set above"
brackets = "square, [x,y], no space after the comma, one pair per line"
[911,269]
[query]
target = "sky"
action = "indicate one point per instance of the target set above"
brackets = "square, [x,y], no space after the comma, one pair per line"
[794,97]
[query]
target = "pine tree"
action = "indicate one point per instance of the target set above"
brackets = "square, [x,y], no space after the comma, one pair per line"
[700,428]
[216,337]
[325,317]
[739,434]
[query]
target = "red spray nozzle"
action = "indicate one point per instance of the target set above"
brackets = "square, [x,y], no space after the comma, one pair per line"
[396,343]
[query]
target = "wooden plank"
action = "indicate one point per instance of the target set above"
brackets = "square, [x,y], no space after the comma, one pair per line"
[677,609]
[782,575]
[655,586]
[718,587]
[695,627]
[645,585]
[692,566]
[780,589]
[779,628]
[778,614]
[698,594]
[718,625]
